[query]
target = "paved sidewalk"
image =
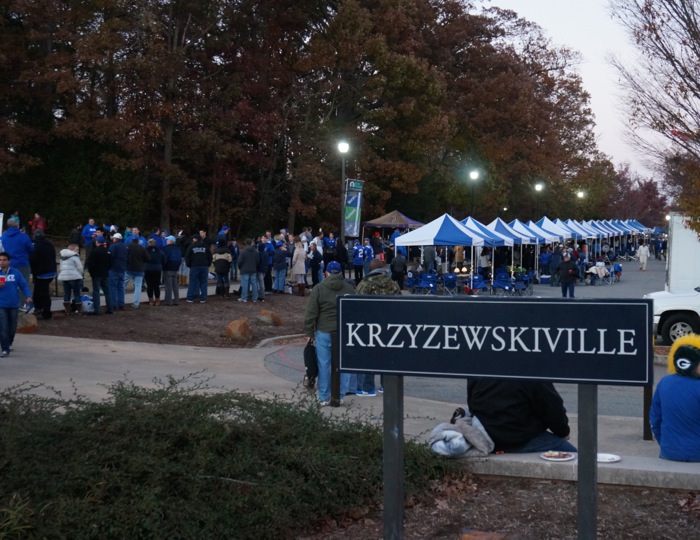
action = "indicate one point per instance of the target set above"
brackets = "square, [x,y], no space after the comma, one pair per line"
[87,365]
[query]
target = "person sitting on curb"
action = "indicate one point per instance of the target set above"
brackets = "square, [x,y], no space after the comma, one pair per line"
[520,416]
[675,407]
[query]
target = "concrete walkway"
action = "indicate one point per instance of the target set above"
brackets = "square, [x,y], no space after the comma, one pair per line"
[86,366]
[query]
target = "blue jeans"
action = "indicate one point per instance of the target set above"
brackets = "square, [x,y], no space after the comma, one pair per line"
[545,441]
[138,282]
[8,327]
[116,288]
[280,277]
[365,382]
[222,280]
[101,282]
[323,358]
[72,286]
[234,270]
[199,276]
[248,281]
[567,287]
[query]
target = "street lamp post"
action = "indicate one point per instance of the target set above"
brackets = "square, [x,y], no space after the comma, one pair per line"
[473,176]
[343,148]
[539,186]
[580,194]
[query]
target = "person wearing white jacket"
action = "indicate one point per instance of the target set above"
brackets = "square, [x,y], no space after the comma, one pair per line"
[71,274]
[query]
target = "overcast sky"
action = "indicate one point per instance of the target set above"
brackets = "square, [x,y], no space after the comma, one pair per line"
[587,26]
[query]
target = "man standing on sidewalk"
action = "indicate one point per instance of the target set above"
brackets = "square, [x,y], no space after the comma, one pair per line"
[320,321]
[11,281]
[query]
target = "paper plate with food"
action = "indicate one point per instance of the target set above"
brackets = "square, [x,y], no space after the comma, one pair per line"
[553,455]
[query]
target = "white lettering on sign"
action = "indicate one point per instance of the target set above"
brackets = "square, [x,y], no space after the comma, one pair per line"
[520,339]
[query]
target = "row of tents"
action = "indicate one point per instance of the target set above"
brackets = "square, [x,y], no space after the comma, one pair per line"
[447,231]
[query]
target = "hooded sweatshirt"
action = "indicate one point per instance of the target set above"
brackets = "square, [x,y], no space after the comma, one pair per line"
[321,311]
[71,266]
[18,245]
[9,298]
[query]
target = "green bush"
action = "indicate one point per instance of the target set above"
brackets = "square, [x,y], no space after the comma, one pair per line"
[181,461]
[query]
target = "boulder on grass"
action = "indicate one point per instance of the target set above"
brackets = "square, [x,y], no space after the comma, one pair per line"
[26,323]
[239,330]
[270,317]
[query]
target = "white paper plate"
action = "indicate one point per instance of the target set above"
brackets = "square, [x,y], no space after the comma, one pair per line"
[565,456]
[608,458]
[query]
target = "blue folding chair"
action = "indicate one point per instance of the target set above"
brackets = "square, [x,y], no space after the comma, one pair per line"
[502,285]
[475,284]
[449,284]
[428,284]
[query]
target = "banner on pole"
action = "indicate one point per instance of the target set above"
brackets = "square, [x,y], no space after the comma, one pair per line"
[353,207]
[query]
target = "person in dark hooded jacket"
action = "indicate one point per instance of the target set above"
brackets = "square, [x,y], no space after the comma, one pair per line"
[43,264]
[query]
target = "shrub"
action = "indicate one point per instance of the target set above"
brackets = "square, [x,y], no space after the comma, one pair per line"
[180,461]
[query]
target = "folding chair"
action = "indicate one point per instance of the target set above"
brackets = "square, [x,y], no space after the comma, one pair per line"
[502,286]
[449,284]
[523,284]
[428,284]
[475,284]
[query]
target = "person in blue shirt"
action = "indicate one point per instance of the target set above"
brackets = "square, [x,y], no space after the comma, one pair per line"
[11,282]
[369,255]
[358,261]
[675,407]
[18,245]
[88,234]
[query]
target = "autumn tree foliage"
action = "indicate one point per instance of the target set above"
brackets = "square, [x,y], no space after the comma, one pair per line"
[190,113]
[663,90]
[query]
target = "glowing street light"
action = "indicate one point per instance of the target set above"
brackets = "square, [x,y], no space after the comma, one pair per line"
[539,186]
[343,148]
[473,176]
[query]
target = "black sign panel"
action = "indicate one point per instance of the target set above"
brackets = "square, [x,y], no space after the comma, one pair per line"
[572,341]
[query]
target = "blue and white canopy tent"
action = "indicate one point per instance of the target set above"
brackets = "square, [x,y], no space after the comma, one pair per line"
[548,225]
[443,231]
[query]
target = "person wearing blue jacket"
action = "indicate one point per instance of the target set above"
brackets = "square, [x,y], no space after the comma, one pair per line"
[358,261]
[19,246]
[11,283]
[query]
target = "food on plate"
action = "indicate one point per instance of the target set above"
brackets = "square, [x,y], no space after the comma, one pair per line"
[556,455]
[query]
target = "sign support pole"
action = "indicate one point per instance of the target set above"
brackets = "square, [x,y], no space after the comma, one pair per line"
[393,457]
[587,461]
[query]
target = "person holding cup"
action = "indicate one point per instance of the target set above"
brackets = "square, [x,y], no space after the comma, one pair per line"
[11,282]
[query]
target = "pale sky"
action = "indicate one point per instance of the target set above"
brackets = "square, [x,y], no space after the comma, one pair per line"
[587,27]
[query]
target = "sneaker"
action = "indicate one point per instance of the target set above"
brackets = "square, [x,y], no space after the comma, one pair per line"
[240,300]
[190,301]
[320,403]
[3,354]
[380,390]
[361,393]
[202,301]
[135,306]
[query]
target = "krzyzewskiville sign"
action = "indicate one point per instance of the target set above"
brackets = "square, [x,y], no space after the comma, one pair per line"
[573,341]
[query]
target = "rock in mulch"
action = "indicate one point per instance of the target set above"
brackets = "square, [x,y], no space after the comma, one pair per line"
[239,330]
[270,317]
[26,323]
